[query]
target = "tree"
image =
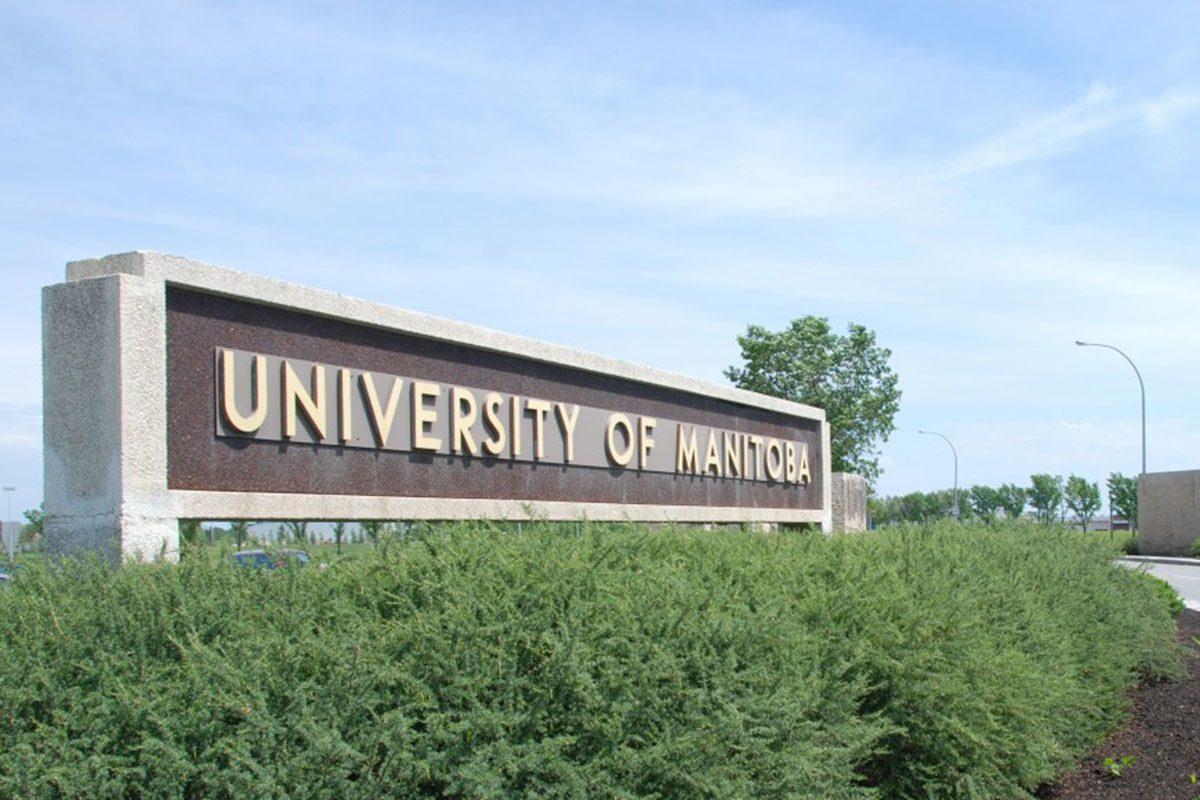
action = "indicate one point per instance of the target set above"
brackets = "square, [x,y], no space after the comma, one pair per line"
[1082,498]
[1123,498]
[1045,495]
[372,528]
[190,533]
[240,530]
[1012,500]
[925,506]
[339,530]
[848,376]
[914,507]
[985,502]
[298,528]
[31,532]
[885,510]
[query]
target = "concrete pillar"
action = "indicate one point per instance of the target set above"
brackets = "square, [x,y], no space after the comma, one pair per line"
[848,502]
[104,390]
[1168,512]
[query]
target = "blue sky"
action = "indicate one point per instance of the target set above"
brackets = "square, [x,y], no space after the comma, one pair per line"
[980,183]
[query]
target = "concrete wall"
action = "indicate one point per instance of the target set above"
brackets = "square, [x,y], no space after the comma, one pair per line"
[849,502]
[1168,512]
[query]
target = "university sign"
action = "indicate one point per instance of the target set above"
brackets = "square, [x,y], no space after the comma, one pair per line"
[180,390]
[286,400]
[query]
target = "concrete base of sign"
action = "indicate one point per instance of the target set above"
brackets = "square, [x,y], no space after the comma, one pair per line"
[106,415]
[104,419]
[1168,512]
[849,502]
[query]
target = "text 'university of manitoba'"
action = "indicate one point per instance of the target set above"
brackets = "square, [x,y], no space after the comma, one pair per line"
[288,400]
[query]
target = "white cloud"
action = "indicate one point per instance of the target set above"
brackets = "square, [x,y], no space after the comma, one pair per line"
[1170,108]
[1045,135]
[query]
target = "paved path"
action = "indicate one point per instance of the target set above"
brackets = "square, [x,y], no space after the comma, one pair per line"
[1182,573]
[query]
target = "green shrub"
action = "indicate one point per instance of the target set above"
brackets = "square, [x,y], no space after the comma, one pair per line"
[472,662]
[1170,598]
[1195,549]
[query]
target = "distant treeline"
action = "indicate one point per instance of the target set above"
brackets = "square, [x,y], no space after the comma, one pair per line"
[1047,498]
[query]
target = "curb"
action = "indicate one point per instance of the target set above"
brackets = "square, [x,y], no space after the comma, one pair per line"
[1194,562]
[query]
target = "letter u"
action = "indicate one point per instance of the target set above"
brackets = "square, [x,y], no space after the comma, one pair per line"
[258,413]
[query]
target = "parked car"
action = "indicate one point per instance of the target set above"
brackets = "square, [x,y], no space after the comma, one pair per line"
[261,559]
[8,572]
[296,557]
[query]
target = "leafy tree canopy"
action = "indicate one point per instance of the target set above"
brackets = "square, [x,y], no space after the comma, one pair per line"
[1012,500]
[985,502]
[1082,498]
[1045,495]
[298,529]
[190,533]
[35,521]
[1123,497]
[847,375]
[240,529]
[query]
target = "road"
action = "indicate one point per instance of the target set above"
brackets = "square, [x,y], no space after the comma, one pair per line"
[1183,574]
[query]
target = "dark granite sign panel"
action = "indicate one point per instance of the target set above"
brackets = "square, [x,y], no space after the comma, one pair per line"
[266,399]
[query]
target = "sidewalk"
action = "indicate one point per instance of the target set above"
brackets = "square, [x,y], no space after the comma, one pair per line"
[1182,573]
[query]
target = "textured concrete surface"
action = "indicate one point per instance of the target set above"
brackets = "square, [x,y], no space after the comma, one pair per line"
[270,506]
[827,478]
[1168,512]
[81,440]
[104,335]
[104,419]
[848,502]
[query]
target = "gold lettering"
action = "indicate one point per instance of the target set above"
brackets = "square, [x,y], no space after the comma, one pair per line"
[462,403]
[423,419]
[687,459]
[381,419]
[774,464]
[805,473]
[313,404]
[756,443]
[712,460]
[790,448]
[345,417]
[258,412]
[491,419]
[733,454]
[619,457]
[540,409]
[645,428]
[567,423]
[515,416]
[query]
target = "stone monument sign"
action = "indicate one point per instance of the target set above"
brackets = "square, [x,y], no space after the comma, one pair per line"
[176,390]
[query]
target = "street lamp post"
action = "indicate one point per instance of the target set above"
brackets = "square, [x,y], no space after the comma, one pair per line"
[1141,385]
[952,450]
[12,539]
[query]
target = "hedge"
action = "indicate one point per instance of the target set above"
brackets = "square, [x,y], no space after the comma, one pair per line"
[474,661]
